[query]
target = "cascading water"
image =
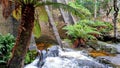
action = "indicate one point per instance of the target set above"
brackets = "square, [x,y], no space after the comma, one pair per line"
[69,58]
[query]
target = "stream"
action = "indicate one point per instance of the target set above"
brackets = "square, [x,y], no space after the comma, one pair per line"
[69,58]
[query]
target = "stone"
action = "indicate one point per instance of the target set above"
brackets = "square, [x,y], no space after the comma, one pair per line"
[53,51]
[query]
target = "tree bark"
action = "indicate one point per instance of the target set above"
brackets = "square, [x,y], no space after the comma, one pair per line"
[116,9]
[79,42]
[23,39]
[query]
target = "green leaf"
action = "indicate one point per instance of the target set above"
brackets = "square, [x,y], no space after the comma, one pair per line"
[6,45]
[84,11]
[37,29]
[81,31]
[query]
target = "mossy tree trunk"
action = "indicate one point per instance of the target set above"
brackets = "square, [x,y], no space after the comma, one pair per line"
[23,38]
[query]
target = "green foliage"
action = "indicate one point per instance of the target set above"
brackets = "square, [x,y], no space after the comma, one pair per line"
[81,31]
[40,12]
[105,4]
[88,29]
[89,4]
[30,56]
[29,1]
[102,27]
[6,45]
[60,5]
[84,11]
[41,9]
[107,29]
[91,23]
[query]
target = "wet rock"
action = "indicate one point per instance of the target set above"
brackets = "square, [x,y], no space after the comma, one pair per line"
[112,60]
[42,56]
[110,48]
[118,48]
[53,51]
[115,60]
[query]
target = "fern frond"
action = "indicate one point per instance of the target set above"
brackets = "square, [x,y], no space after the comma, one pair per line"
[63,6]
[81,31]
[84,11]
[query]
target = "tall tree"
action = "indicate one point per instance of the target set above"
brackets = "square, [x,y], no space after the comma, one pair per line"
[116,10]
[54,28]
[67,17]
[26,26]
[95,10]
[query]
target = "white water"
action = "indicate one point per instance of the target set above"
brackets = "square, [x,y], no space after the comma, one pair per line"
[67,59]
[71,60]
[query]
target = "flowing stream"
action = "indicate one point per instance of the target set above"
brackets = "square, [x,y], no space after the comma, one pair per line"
[69,58]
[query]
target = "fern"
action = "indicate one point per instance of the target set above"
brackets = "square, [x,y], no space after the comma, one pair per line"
[102,27]
[60,5]
[81,31]
[41,12]
[84,11]
[6,45]
[92,23]
[87,29]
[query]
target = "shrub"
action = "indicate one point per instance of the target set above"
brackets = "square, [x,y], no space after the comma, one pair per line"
[81,31]
[6,45]
[86,30]
[30,56]
[102,27]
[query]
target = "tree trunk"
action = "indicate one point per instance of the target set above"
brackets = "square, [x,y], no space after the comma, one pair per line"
[116,9]
[54,27]
[95,10]
[67,17]
[23,38]
[72,18]
[79,42]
